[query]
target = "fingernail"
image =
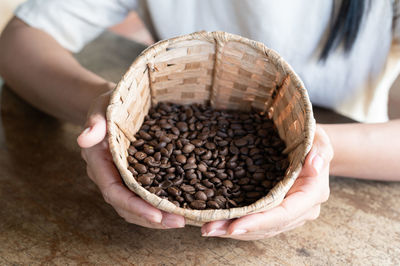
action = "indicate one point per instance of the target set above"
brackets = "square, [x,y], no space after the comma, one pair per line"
[215,232]
[238,232]
[170,222]
[318,162]
[86,130]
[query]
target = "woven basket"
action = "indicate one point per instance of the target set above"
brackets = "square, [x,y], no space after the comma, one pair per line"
[227,71]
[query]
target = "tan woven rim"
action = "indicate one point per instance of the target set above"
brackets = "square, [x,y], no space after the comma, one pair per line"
[219,39]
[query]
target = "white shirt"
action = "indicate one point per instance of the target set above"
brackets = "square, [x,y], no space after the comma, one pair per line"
[348,83]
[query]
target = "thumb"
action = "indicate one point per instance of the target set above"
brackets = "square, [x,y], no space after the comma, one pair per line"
[320,155]
[94,133]
[96,123]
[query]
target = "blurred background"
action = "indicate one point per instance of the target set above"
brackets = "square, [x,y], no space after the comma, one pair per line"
[133,29]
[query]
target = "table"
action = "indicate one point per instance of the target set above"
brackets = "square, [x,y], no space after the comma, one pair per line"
[51,213]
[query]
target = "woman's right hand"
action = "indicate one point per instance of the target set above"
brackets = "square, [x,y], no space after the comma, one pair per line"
[102,171]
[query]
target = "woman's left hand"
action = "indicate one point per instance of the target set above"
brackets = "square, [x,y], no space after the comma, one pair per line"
[302,203]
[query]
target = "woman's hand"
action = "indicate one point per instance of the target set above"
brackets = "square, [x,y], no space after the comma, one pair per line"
[102,171]
[302,203]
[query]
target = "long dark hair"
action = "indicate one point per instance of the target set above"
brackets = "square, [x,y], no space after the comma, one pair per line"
[346,25]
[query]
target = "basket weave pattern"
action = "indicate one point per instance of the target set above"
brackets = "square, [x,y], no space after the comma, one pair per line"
[227,71]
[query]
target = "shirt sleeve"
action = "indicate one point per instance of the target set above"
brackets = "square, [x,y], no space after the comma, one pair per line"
[74,23]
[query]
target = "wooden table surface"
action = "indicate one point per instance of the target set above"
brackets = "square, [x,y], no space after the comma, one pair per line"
[51,213]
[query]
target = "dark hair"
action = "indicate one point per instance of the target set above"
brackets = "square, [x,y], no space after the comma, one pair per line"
[345,26]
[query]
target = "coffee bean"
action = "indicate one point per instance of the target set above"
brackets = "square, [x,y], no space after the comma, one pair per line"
[200,195]
[239,173]
[197,142]
[191,160]
[202,167]
[187,188]
[166,184]
[199,186]
[266,183]
[240,142]
[174,191]
[140,155]
[149,150]
[189,166]
[182,126]
[253,194]
[132,150]
[146,179]
[138,143]
[207,183]
[188,148]
[140,168]
[227,183]
[181,158]
[213,204]
[189,198]
[209,193]
[133,171]
[243,181]
[207,156]
[210,146]
[198,204]
[144,135]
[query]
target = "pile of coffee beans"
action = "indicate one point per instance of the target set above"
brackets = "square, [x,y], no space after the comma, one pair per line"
[201,158]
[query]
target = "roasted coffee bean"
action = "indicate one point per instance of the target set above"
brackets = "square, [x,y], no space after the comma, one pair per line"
[189,189]
[207,155]
[148,149]
[209,193]
[253,194]
[243,181]
[138,143]
[198,204]
[166,184]
[210,146]
[227,183]
[240,142]
[140,168]
[132,150]
[182,126]
[202,167]
[189,198]
[191,160]
[132,160]
[188,148]
[200,195]
[207,183]
[213,204]
[199,186]
[140,155]
[239,173]
[174,191]
[189,166]
[146,179]
[133,171]
[181,158]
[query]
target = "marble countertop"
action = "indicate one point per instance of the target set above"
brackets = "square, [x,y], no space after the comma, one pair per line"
[51,213]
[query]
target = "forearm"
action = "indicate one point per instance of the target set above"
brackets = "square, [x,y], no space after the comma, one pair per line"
[369,151]
[47,75]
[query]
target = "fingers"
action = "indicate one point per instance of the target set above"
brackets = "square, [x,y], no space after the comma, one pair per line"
[96,126]
[216,228]
[128,205]
[319,156]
